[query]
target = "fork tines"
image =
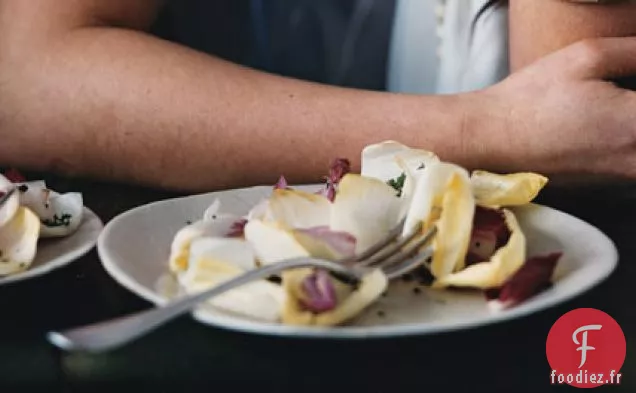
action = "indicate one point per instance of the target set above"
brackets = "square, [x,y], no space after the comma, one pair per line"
[397,254]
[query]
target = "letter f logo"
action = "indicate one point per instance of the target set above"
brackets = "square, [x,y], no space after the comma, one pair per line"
[584,347]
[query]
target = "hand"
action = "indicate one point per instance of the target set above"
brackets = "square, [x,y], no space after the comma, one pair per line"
[563,117]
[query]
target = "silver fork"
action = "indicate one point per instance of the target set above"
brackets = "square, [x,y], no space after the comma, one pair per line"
[396,255]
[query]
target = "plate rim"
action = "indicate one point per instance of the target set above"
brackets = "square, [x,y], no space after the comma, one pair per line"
[351,332]
[70,257]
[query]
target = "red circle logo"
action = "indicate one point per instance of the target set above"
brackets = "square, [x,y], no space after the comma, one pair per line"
[586,348]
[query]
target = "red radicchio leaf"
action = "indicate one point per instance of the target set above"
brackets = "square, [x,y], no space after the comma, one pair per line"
[14,176]
[320,292]
[281,184]
[490,233]
[237,228]
[339,168]
[531,279]
[342,242]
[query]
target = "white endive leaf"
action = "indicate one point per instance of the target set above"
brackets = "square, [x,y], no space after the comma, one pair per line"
[35,195]
[18,241]
[216,260]
[68,212]
[298,209]
[260,211]
[366,208]
[180,247]
[5,184]
[212,211]
[272,242]
[9,209]
[60,214]
[389,159]
[209,254]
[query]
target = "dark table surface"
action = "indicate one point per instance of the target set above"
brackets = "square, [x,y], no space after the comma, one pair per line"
[188,357]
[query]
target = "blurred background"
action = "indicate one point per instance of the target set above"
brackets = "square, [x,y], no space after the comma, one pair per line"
[341,42]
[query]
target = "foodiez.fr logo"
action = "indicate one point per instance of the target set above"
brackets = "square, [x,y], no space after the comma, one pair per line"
[586,348]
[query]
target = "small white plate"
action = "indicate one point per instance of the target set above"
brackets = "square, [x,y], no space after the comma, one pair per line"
[134,249]
[55,253]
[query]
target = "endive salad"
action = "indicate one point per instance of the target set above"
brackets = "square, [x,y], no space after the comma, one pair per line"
[479,244]
[31,213]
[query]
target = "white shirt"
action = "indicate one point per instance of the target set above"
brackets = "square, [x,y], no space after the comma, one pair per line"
[436,51]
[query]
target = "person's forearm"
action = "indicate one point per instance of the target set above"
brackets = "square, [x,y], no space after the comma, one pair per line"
[124,105]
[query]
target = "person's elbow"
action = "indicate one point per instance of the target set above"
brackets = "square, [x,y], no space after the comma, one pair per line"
[31,28]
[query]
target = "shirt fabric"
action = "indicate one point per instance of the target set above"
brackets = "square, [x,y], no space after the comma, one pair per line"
[370,44]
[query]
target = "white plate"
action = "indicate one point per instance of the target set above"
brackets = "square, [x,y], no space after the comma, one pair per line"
[134,249]
[56,253]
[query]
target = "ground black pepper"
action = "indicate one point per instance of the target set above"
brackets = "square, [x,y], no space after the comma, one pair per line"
[275,279]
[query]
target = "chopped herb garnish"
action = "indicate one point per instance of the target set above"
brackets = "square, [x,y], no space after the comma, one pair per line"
[58,221]
[398,183]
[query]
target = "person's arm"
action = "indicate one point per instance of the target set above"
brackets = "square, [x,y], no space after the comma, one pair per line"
[84,91]
[540,27]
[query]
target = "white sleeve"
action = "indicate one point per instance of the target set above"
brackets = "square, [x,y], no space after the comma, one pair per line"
[474,51]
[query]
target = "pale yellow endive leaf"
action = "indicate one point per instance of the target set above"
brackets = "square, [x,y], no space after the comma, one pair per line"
[350,303]
[180,247]
[494,273]
[513,189]
[443,197]
[18,241]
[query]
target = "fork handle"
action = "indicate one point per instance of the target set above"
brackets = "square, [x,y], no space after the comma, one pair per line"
[113,333]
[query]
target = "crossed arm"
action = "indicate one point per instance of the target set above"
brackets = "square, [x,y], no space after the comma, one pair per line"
[540,27]
[83,90]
